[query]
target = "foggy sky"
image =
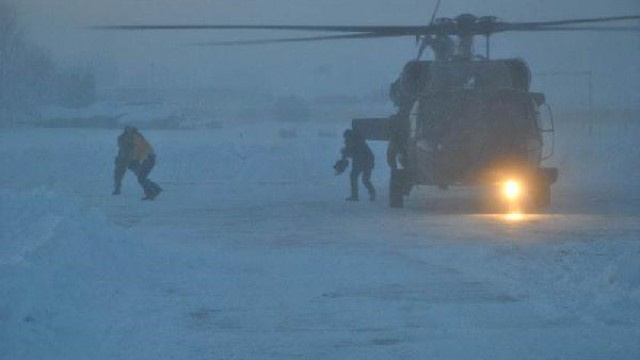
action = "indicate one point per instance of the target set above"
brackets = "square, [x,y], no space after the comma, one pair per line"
[161,59]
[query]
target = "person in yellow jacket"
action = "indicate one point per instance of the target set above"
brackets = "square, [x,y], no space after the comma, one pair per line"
[136,154]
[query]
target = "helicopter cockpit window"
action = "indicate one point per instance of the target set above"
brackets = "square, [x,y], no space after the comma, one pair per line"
[449,76]
[477,75]
[492,75]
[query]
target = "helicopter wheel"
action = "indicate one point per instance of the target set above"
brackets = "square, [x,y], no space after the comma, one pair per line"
[397,188]
[541,192]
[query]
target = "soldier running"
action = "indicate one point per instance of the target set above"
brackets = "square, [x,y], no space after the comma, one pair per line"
[362,163]
[135,154]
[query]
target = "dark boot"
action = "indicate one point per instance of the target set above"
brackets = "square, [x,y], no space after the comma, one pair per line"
[372,194]
[152,191]
[156,190]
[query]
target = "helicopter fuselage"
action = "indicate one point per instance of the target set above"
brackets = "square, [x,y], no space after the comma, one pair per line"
[466,136]
[461,122]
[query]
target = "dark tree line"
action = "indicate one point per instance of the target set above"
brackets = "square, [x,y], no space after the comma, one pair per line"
[30,79]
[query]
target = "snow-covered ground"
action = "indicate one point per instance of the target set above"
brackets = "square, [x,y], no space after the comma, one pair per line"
[251,253]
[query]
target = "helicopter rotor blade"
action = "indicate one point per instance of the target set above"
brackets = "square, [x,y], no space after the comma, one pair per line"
[468,26]
[543,24]
[426,40]
[435,12]
[300,39]
[390,30]
[589,28]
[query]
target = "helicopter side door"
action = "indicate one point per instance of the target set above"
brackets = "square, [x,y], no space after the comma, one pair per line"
[422,149]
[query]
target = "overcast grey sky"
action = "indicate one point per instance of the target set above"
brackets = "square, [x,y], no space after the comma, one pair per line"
[160,59]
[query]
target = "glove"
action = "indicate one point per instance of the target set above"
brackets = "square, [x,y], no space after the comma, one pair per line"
[340,166]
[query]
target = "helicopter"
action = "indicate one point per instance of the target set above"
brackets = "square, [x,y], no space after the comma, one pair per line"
[462,119]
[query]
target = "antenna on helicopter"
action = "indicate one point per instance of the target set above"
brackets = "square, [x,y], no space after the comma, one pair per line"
[427,40]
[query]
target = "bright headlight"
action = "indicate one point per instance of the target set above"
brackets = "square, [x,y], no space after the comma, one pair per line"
[512,189]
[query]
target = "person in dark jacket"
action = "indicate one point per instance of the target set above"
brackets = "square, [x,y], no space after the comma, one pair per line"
[362,162]
[135,154]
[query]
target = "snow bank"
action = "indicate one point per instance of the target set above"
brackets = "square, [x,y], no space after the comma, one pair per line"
[64,273]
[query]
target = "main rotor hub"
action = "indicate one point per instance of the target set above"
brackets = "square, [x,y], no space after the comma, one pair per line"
[466,24]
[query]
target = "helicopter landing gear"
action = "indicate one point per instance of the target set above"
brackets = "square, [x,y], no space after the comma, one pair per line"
[398,188]
[541,187]
[541,194]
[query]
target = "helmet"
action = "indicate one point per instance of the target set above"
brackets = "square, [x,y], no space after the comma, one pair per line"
[130,129]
